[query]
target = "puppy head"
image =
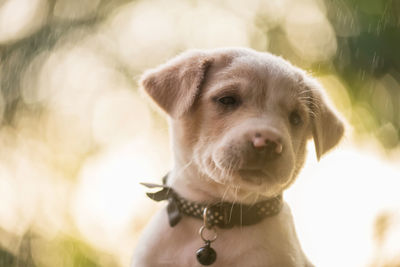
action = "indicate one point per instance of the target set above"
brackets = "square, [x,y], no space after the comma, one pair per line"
[241,117]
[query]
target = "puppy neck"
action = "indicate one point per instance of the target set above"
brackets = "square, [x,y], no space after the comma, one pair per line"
[192,185]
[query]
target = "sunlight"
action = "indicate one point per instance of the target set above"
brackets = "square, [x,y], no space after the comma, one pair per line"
[19,18]
[335,203]
[8,192]
[310,33]
[109,199]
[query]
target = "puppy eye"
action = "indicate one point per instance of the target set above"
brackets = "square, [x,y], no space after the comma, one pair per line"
[228,100]
[295,118]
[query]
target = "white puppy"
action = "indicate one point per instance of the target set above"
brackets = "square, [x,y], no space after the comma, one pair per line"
[240,122]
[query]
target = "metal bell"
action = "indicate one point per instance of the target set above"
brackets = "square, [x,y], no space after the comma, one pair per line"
[206,255]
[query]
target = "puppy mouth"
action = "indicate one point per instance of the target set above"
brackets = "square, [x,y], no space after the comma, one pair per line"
[253,176]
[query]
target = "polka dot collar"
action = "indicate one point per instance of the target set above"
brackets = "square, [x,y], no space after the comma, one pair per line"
[221,214]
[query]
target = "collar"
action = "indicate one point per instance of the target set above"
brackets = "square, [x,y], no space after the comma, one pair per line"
[221,214]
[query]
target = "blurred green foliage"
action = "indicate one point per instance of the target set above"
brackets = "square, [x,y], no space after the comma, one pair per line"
[368,39]
[36,251]
[370,55]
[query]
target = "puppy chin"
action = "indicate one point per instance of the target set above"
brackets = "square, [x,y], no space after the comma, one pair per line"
[248,182]
[266,185]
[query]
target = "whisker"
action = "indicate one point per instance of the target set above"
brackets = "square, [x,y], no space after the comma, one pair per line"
[233,202]
[225,192]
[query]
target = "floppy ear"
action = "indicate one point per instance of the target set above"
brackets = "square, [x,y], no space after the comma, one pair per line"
[327,127]
[175,85]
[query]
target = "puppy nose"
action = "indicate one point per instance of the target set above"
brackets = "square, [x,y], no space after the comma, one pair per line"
[269,141]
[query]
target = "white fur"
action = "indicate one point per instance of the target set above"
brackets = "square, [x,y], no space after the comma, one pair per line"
[205,134]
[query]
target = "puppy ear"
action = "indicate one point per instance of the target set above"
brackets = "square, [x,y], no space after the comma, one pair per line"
[327,127]
[175,85]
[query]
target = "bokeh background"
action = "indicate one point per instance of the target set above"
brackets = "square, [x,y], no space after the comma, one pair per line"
[77,136]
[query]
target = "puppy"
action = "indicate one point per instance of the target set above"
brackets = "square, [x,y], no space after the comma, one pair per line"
[240,121]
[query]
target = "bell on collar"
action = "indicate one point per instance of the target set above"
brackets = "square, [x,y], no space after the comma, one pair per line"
[206,255]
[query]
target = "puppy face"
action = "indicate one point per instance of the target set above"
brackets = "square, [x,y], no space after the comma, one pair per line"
[254,126]
[241,117]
